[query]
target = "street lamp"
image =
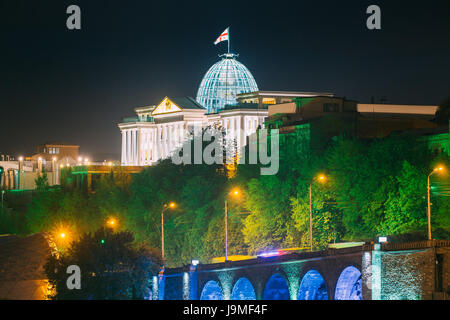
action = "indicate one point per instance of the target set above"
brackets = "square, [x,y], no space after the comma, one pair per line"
[435,170]
[112,223]
[321,178]
[166,206]
[20,169]
[235,192]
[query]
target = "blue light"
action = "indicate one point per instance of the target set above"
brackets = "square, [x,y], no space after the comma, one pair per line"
[211,291]
[312,287]
[222,82]
[276,288]
[243,290]
[349,285]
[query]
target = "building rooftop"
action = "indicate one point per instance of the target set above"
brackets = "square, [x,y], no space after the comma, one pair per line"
[22,261]
[284,94]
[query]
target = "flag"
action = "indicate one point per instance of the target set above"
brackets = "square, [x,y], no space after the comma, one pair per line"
[223,37]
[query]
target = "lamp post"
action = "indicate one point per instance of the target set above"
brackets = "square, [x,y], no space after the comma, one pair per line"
[234,192]
[320,178]
[54,170]
[438,169]
[165,207]
[20,170]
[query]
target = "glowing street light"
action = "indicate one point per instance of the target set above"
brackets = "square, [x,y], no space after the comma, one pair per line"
[321,178]
[112,222]
[20,170]
[234,192]
[166,206]
[438,169]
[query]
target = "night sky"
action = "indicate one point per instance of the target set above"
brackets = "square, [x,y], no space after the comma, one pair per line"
[75,86]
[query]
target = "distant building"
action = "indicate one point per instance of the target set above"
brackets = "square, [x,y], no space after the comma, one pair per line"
[21,172]
[321,118]
[60,151]
[265,98]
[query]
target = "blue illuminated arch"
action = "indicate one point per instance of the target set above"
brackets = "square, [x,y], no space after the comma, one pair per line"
[312,287]
[211,291]
[243,290]
[276,288]
[349,285]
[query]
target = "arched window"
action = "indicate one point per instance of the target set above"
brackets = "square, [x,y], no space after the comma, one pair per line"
[243,290]
[312,287]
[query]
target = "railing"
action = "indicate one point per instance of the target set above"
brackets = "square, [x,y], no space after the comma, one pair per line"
[137,119]
[415,245]
[317,254]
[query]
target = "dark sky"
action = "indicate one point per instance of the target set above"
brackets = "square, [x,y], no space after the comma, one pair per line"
[75,86]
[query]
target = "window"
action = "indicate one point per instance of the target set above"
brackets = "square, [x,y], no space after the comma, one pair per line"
[52,150]
[330,107]
[268,101]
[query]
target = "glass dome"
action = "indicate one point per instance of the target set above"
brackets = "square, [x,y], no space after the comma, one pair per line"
[223,81]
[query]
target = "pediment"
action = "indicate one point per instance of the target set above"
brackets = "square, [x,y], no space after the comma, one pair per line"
[166,106]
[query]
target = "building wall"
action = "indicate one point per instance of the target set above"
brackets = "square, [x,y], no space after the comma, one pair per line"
[48,151]
[145,143]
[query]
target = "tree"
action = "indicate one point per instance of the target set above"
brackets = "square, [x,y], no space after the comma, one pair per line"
[112,267]
[443,113]
[41,182]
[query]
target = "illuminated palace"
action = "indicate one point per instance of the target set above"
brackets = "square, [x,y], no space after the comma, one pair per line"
[228,97]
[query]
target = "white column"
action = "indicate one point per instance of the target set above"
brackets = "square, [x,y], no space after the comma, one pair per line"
[158,142]
[133,147]
[169,138]
[128,147]
[138,147]
[124,146]
[165,140]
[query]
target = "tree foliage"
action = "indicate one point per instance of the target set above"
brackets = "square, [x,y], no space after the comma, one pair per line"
[111,265]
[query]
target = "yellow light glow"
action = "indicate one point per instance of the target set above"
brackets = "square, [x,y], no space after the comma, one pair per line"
[235,192]
[172,204]
[322,178]
[62,235]
[112,222]
[20,158]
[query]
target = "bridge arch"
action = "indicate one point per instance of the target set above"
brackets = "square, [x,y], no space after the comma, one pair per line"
[211,291]
[349,285]
[312,287]
[276,288]
[243,290]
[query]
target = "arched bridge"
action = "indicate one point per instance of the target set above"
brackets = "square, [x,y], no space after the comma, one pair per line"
[404,271]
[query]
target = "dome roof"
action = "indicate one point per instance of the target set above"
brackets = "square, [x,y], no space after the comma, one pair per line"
[223,81]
